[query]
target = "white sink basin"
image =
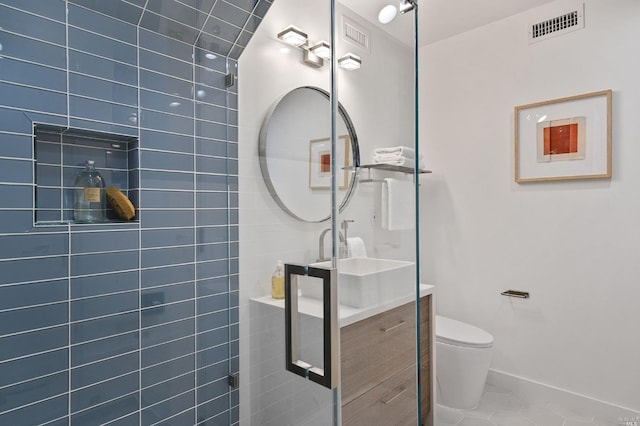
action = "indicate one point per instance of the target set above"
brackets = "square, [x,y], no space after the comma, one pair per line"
[365,281]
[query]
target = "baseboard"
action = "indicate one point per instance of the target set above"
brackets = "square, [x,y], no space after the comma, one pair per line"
[534,392]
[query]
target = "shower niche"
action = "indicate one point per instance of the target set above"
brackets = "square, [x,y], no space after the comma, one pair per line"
[60,154]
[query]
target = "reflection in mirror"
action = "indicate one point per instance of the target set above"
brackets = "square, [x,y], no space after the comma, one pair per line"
[295,154]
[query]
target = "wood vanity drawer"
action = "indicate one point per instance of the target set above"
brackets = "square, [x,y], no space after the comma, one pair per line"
[375,349]
[425,356]
[393,402]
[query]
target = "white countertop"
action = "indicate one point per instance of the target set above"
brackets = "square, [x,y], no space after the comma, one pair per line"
[348,314]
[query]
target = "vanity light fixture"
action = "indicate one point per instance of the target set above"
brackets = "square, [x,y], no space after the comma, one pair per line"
[311,58]
[293,36]
[350,62]
[321,49]
[314,54]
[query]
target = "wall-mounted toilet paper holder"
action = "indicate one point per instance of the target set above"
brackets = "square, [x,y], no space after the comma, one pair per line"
[516,293]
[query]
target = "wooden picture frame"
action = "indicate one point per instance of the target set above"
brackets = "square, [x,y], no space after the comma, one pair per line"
[563,139]
[320,162]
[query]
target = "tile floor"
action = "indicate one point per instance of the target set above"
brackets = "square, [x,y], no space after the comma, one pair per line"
[499,407]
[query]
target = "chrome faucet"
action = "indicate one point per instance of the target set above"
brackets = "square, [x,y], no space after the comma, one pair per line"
[345,225]
[344,249]
[321,257]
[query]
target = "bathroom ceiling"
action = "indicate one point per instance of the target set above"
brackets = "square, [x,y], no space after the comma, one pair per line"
[440,19]
[219,26]
[225,26]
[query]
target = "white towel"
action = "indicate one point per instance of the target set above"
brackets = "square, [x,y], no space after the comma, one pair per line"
[356,247]
[397,204]
[394,156]
[400,150]
[400,161]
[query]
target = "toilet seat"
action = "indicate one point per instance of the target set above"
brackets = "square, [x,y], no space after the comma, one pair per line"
[458,333]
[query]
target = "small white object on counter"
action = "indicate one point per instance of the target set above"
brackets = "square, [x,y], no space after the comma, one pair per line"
[356,247]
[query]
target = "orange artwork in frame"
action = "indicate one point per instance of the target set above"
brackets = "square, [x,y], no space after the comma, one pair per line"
[563,139]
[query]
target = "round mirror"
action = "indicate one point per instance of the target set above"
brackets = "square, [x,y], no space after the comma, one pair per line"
[295,154]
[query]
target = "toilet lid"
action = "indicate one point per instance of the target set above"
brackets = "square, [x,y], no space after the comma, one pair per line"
[461,334]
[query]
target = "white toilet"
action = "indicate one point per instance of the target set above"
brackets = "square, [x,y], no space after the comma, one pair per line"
[463,355]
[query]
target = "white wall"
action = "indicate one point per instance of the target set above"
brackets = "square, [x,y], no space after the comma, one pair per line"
[378,99]
[573,245]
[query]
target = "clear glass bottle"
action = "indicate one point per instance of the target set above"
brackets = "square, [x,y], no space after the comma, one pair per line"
[88,195]
[277,282]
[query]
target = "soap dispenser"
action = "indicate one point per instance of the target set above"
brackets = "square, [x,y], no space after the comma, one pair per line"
[88,195]
[277,282]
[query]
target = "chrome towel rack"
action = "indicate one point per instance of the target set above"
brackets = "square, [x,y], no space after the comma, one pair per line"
[388,168]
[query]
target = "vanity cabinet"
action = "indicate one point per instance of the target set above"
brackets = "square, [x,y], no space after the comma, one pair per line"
[378,367]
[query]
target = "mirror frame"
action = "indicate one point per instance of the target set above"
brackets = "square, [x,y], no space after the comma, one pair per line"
[262,154]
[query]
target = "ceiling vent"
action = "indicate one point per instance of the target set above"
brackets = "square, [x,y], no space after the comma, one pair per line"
[356,34]
[567,22]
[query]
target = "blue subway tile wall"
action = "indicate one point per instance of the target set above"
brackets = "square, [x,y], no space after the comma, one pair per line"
[133,323]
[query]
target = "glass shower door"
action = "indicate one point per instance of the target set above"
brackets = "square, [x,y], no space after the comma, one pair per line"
[342,348]
[385,313]
[285,111]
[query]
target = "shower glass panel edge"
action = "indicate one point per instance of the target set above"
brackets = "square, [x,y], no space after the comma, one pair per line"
[382,99]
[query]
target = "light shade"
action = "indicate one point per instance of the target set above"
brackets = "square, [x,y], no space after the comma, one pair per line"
[322,49]
[350,62]
[407,6]
[293,36]
[387,14]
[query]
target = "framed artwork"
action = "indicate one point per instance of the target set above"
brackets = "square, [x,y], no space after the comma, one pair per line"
[320,162]
[562,139]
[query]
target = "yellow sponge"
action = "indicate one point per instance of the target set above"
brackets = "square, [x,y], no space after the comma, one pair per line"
[120,203]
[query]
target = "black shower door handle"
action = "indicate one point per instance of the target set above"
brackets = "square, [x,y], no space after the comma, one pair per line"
[327,376]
